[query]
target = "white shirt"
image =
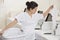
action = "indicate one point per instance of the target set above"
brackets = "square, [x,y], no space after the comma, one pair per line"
[28,23]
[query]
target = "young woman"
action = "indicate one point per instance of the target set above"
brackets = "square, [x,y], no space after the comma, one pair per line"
[28,20]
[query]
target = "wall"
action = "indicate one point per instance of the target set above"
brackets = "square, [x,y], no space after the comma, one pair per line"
[2,14]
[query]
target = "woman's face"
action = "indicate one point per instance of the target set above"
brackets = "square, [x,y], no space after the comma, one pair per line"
[33,11]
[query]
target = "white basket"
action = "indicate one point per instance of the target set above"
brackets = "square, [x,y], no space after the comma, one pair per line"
[13,34]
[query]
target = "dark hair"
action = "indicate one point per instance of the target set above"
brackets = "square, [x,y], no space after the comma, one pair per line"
[31,5]
[25,10]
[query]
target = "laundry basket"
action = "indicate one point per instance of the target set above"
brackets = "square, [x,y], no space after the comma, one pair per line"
[13,34]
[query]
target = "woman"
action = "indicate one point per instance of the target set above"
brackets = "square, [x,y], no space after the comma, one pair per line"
[28,20]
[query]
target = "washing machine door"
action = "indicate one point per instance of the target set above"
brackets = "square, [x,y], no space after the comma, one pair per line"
[47,27]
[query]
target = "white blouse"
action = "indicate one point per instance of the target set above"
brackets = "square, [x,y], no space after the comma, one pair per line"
[28,23]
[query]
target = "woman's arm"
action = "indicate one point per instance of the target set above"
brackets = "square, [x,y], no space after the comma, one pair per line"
[47,11]
[10,25]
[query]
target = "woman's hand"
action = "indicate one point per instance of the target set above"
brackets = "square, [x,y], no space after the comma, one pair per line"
[1,33]
[51,7]
[47,11]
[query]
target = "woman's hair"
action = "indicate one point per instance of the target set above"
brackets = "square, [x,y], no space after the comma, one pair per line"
[25,10]
[31,5]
